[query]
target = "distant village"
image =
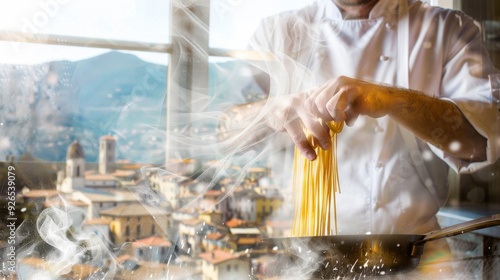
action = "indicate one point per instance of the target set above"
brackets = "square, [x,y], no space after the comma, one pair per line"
[133,221]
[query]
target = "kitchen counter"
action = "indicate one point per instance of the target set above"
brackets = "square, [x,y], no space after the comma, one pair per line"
[451,215]
[477,253]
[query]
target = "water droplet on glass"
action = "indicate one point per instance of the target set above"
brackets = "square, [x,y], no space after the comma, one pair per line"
[384,58]
[455,146]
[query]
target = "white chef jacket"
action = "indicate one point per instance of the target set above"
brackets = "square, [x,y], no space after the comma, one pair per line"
[381,190]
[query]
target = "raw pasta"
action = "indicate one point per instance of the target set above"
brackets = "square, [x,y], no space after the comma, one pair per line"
[315,184]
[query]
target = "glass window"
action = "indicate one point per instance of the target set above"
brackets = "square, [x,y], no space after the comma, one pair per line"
[232,22]
[79,93]
[130,20]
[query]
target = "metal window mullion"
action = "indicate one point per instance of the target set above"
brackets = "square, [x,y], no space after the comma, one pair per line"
[61,40]
[187,72]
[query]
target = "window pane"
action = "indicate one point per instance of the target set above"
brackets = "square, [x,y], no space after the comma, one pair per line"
[232,22]
[131,20]
[44,106]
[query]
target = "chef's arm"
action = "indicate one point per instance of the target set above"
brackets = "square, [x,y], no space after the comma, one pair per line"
[436,121]
[343,99]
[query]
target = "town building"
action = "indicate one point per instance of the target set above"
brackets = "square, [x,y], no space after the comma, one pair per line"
[219,201]
[168,186]
[279,228]
[107,149]
[133,270]
[242,238]
[224,265]
[74,177]
[250,205]
[154,249]
[133,221]
[97,227]
[38,268]
[103,199]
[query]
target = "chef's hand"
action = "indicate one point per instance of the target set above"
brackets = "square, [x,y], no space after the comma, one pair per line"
[342,100]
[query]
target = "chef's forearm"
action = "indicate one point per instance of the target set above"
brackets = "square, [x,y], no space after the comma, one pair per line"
[437,121]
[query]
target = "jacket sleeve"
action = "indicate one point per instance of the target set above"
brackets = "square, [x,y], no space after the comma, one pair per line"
[472,83]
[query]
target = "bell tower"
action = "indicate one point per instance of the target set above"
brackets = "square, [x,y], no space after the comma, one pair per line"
[107,147]
[75,168]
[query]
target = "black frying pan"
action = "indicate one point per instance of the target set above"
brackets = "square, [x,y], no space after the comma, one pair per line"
[377,254]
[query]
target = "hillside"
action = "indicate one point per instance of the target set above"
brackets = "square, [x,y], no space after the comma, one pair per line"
[44,107]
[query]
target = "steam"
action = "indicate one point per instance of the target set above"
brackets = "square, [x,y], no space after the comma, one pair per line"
[59,229]
[197,107]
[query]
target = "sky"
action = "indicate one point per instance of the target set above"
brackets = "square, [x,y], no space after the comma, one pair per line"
[232,22]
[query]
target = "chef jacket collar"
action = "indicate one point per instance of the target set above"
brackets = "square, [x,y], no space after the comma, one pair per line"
[382,8]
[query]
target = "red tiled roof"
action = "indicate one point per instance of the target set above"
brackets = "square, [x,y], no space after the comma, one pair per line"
[214,236]
[41,193]
[257,169]
[218,256]
[64,202]
[153,241]
[123,173]
[133,209]
[98,221]
[99,177]
[248,240]
[234,222]
[192,222]
[212,193]
[78,271]
[125,257]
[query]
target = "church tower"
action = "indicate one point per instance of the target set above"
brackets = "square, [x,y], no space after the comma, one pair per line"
[107,147]
[75,168]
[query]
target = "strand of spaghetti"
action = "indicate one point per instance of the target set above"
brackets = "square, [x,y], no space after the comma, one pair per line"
[314,186]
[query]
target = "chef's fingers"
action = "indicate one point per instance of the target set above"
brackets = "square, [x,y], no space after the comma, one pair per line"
[314,122]
[319,131]
[319,108]
[339,104]
[321,97]
[299,138]
[351,117]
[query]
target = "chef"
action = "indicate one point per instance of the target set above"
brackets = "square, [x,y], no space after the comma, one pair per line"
[411,82]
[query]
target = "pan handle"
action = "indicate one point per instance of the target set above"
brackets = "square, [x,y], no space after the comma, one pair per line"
[489,221]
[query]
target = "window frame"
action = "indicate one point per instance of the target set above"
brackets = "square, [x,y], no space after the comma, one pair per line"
[181,54]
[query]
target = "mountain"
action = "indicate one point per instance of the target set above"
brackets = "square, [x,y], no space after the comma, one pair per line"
[45,107]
